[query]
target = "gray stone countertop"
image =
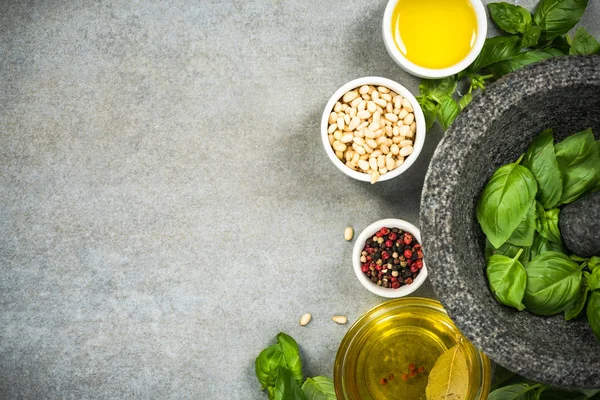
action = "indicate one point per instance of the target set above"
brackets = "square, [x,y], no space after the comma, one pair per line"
[166,205]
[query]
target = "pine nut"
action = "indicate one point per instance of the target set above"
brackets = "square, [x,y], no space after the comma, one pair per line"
[348,233]
[374,176]
[391,117]
[339,155]
[395,130]
[378,133]
[364,157]
[362,126]
[409,119]
[360,150]
[393,94]
[388,142]
[413,127]
[386,97]
[375,153]
[369,133]
[355,158]
[337,135]
[374,95]
[390,163]
[366,97]
[403,113]
[404,130]
[332,117]
[381,140]
[354,123]
[362,105]
[384,149]
[364,165]
[405,143]
[354,103]
[397,139]
[388,131]
[383,170]
[338,146]
[341,122]
[347,138]
[383,89]
[358,140]
[331,139]
[348,97]
[347,119]
[380,102]
[368,149]
[338,107]
[381,161]
[389,108]
[332,128]
[394,149]
[305,319]
[348,155]
[399,162]
[406,104]
[397,110]
[372,143]
[373,163]
[364,89]
[406,151]
[363,114]
[371,107]
[352,112]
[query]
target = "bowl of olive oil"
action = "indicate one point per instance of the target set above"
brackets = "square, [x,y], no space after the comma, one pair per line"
[389,352]
[434,38]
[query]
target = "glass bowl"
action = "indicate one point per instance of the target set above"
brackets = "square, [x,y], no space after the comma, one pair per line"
[382,343]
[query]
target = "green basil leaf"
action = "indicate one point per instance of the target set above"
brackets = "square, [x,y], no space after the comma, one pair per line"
[540,159]
[319,388]
[579,163]
[519,391]
[589,392]
[290,350]
[542,245]
[523,235]
[531,37]
[447,112]
[594,263]
[519,61]
[593,312]
[510,18]
[465,100]
[507,279]
[557,17]
[561,43]
[505,201]
[286,386]
[584,43]
[553,279]
[577,304]
[547,224]
[267,364]
[594,280]
[429,110]
[494,50]
[508,250]
[438,89]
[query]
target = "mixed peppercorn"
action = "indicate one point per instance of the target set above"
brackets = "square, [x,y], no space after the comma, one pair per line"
[392,258]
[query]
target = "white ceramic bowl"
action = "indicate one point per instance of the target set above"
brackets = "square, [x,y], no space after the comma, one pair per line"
[430,73]
[396,87]
[370,231]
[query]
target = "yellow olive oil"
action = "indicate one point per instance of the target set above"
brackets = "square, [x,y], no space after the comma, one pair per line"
[434,34]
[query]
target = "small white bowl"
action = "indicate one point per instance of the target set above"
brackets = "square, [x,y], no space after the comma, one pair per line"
[430,73]
[370,231]
[396,87]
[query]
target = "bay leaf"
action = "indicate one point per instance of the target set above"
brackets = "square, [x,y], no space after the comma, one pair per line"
[449,377]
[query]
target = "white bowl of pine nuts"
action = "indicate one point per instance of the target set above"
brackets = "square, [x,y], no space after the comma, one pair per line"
[373,129]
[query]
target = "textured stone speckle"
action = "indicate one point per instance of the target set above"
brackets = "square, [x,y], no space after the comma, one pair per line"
[579,225]
[495,129]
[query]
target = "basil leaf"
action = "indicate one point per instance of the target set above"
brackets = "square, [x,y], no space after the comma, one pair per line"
[531,37]
[594,280]
[465,100]
[547,224]
[510,18]
[553,279]
[541,245]
[290,350]
[519,391]
[507,280]
[593,312]
[267,364]
[505,201]
[584,43]
[579,163]
[438,89]
[508,250]
[429,110]
[319,388]
[519,61]
[561,43]
[540,159]
[523,235]
[589,392]
[557,17]
[494,50]
[594,263]
[286,387]
[447,112]
[576,306]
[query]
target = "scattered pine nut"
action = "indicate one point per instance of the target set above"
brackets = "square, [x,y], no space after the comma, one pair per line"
[305,319]
[339,319]
[348,233]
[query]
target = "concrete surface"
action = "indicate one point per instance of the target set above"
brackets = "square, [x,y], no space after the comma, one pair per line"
[167,207]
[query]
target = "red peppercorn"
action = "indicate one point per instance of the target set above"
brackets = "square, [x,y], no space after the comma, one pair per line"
[422,368]
[379,234]
[385,255]
[393,236]
[409,262]
[378,267]
[408,281]
[419,254]
[383,381]
[407,238]
[391,377]
[384,230]
[393,279]
[395,285]
[418,264]
[413,374]
[417,247]
[412,366]
[369,258]
[365,268]
[404,377]
[413,268]
[407,253]
[389,243]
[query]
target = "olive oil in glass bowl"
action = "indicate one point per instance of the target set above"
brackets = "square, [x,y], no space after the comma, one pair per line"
[378,348]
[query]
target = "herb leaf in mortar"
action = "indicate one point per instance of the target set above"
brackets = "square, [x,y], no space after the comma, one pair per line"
[319,388]
[593,312]
[507,279]
[505,201]
[507,250]
[510,18]
[449,377]
[547,224]
[523,235]
[577,304]
[557,17]
[540,159]
[542,245]
[553,279]
[579,162]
